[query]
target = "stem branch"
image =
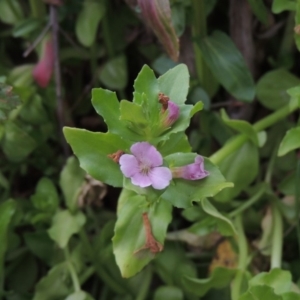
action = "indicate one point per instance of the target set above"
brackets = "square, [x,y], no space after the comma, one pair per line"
[277,238]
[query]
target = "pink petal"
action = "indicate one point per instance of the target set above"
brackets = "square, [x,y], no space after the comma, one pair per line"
[141,180]
[196,170]
[146,154]
[160,177]
[129,165]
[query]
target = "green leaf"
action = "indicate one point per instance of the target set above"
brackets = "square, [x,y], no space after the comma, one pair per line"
[172,263]
[7,210]
[11,11]
[92,149]
[130,233]
[25,274]
[279,280]
[64,225]
[272,88]
[80,295]
[26,26]
[88,21]
[219,278]
[71,180]
[175,83]
[227,65]
[182,192]
[177,142]
[223,224]
[45,197]
[146,84]
[8,101]
[168,292]
[291,296]
[114,72]
[55,285]
[241,126]
[279,6]
[275,284]
[259,9]
[107,105]
[260,292]
[233,168]
[40,244]
[291,141]
[17,144]
[33,111]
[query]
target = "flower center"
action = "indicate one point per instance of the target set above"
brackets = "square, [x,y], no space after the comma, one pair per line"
[144,168]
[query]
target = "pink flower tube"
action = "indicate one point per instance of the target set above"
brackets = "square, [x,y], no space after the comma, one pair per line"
[192,171]
[43,70]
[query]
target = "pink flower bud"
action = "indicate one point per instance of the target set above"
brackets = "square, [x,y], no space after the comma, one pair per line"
[172,113]
[157,14]
[42,72]
[170,110]
[192,171]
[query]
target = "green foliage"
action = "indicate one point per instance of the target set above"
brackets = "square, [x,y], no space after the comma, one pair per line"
[228,65]
[219,278]
[67,235]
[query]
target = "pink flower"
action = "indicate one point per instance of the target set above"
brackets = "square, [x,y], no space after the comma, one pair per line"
[192,171]
[144,167]
[43,70]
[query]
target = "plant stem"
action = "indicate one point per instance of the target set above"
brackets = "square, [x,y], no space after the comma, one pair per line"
[249,202]
[276,116]
[72,271]
[57,73]
[232,145]
[242,262]
[297,202]
[240,139]
[277,238]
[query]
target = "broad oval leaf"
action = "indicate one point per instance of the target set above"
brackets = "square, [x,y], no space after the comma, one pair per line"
[291,141]
[175,83]
[71,180]
[259,9]
[64,225]
[240,167]
[168,292]
[130,233]
[92,150]
[181,193]
[219,278]
[113,73]
[227,65]
[272,88]
[279,6]
[88,20]
[224,225]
